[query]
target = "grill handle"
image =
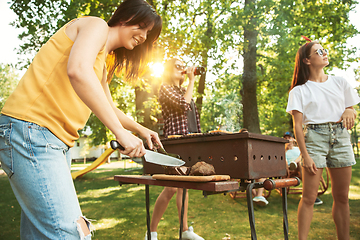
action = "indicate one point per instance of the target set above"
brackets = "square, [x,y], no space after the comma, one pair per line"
[271,184]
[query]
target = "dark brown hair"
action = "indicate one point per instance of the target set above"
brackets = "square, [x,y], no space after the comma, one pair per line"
[134,12]
[301,70]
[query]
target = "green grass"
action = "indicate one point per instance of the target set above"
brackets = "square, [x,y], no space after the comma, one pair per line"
[119,211]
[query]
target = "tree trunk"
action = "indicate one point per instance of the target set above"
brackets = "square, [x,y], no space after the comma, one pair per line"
[249,99]
[141,96]
[201,86]
[144,113]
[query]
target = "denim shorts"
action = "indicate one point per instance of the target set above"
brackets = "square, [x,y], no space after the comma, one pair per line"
[329,145]
[37,164]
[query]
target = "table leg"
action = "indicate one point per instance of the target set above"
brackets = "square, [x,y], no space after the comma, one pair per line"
[147,202]
[250,204]
[285,219]
[182,213]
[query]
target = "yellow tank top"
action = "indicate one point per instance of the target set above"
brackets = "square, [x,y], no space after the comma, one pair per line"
[45,95]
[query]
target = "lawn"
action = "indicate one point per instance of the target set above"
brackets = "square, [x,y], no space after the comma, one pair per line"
[119,211]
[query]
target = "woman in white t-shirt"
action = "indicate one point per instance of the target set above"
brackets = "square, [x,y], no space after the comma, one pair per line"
[322,110]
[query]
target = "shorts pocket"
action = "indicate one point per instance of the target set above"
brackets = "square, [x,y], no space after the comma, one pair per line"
[343,137]
[342,133]
[316,134]
[5,149]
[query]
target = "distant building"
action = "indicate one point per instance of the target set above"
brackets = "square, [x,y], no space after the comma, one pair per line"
[81,149]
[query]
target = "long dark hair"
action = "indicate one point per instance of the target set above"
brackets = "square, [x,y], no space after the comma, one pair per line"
[133,12]
[302,70]
[169,68]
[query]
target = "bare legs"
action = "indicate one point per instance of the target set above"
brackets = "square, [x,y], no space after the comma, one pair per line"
[179,196]
[259,192]
[340,181]
[84,228]
[161,205]
[306,205]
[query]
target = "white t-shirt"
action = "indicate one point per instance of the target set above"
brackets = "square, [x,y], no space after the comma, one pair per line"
[292,154]
[322,102]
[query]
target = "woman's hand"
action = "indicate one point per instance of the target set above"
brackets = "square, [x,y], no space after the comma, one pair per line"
[133,145]
[190,71]
[152,138]
[309,165]
[348,118]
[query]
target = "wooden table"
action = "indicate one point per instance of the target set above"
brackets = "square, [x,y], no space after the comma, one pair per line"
[207,188]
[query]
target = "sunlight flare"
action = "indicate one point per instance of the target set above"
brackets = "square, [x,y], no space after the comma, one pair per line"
[157,69]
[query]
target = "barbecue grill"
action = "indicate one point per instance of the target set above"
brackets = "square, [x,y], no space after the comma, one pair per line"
[241,155]
[244,156]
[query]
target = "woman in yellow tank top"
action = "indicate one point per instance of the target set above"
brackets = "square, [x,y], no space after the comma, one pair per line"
[65,82]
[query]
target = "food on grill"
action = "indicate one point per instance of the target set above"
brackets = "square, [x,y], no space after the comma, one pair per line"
[174,136]
[243,130]
[198,169]
[177,170]
[192,134]
[219,131]
[202,169]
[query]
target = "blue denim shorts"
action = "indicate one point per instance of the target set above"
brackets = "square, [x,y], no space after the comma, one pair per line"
[329,145]
[37,164]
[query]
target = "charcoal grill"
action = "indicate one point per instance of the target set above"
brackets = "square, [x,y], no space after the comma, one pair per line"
[240,155]
[244,156]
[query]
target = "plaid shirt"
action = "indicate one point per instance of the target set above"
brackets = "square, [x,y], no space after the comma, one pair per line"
[174,108]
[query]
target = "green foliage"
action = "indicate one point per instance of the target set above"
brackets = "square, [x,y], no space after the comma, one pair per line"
[102,9]
[8,82]
[357,73]
[223,108]
[41,19]
[124,99]
[211,33]
[280,39]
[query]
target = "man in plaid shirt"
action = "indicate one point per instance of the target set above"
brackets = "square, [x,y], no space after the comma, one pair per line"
[175,111]
[178,108]
[180,118]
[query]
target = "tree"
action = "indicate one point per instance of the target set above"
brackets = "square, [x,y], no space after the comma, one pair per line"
[41,19]
[264,33]
[279,26]
[193,31]
[123,96]
[280,40]
[222,108]
[8,81]
[249,77]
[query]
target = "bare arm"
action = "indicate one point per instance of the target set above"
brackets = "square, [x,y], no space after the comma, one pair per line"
[308,164]
[150,136]
[189,91]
